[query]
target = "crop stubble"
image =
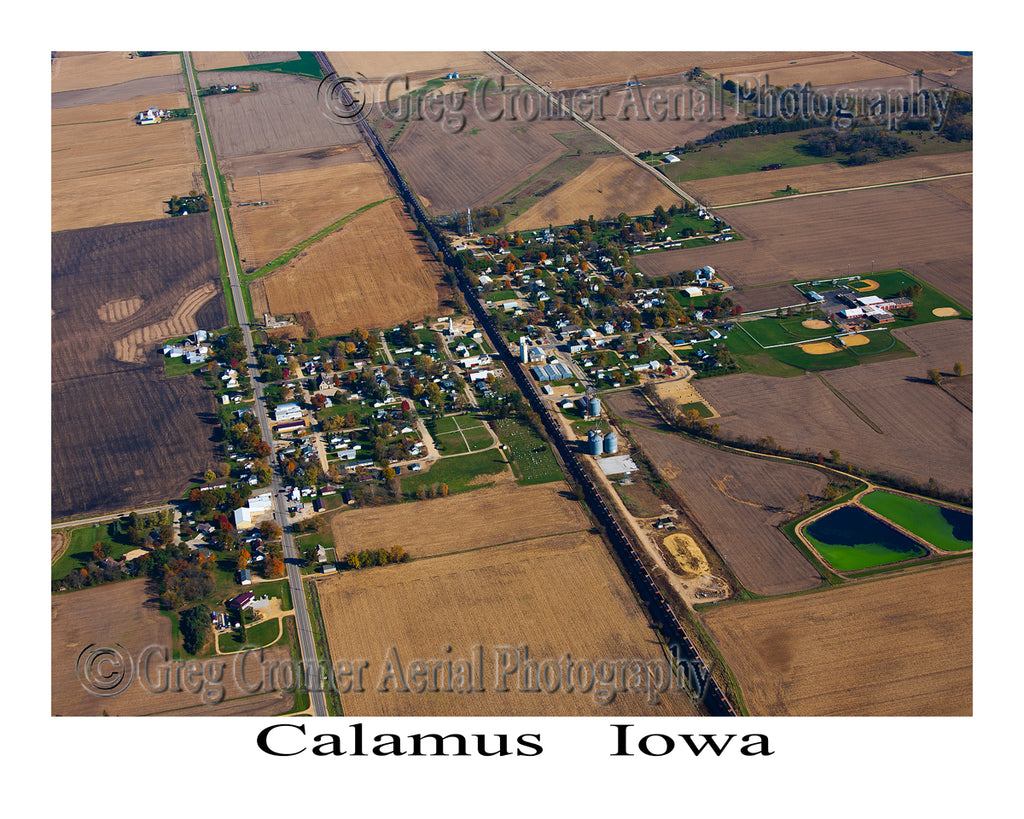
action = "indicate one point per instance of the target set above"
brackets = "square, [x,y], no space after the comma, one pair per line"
[896,646]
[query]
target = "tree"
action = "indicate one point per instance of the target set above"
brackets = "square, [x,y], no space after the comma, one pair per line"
[209,476]
[243,559]
[935,376]
[958,369]
[269,530]
[194,624]
[275,567]
[97,552]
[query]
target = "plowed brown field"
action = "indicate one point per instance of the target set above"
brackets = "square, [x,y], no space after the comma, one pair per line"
[737,501]
[896,646]
[373,272]
[107,68]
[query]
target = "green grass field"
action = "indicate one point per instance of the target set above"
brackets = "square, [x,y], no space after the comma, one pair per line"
[532,459]
[461,474]
[79,551]
[948,529]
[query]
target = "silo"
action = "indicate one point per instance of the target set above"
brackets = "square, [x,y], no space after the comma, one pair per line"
[595,439]
[524,349]
[611,443]
[595,407]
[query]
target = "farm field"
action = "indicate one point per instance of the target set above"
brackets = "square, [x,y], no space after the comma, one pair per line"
[107,68]
[282,116]
[911,226]
[609,186]
[129,90]
[491,159]
[107,169]
[123,434]
[938,444]
[822,654]
[125,615]
[373,272]
[458,523]
[818,69]
[827,176]
[553,595]
[943,527]
[300,204]
[737,501]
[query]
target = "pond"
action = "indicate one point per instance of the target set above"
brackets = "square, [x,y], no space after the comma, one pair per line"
[850,538]
[944,528]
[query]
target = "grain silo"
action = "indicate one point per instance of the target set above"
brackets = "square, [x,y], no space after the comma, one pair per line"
[611,443]
[595,439]
[595,407]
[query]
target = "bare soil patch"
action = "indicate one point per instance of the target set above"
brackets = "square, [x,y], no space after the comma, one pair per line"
[864,285]
[815,324]
[554,596]
[210,60]
[822,654]
[130,90]
[819,348]
[802,413]
[818,237]
[373,272]
[945,311]
[817,69]
[123,434]
[484,517]
[686,554]
[107,68]
[608,187]
[737,501]
[301,203]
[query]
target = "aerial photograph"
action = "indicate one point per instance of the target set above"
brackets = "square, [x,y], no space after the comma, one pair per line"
[485,384]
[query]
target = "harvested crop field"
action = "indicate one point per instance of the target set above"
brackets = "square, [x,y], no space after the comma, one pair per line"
[130,90]
[817,69]
[819,236]
[484,517]
[123,434]
[608,187]
[107,68]
[106,169]
[282,116]
[737,501]
[374,272]
[829,176]
[804,413]
[380,66]
[553,596]
[480,165]
[300,204]
[125,616]
[822,654]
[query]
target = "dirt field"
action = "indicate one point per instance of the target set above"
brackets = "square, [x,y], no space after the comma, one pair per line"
[605,189]
[817,69]
[737,501]
[485,517]
[300,204]
[282,116]
[896,646]
[554,596]
[125,616]
[107,68]
[122,433]
[132,89]
[747,187]
[479,165]
[373,272]
[913,226]
[938,444]
[107,169]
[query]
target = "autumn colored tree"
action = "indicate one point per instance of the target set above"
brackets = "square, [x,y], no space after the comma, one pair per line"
[243,559]
[97,551]
[275,567]
[270,530]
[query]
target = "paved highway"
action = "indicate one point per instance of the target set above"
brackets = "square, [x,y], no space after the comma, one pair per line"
[292,561]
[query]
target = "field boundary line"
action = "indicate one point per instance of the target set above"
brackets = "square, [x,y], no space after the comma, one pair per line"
[853,407]
[847,190]
[504,543]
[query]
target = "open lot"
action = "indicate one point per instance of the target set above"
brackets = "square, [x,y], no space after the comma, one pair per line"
[123,434]
[125,616]
[106,169]
[737,501]
[484,517]
[897,646]
[829,176]
[300,203]
[609,186]
[282,116]
[107,68]
[911,226]
[806,414]
[552,596]
[375,271]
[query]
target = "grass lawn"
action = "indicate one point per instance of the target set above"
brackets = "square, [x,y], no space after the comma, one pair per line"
[258,635]
[461,474]
[79,551]
[532,459]
[949,529]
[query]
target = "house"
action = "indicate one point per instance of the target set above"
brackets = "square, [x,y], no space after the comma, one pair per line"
[245,578]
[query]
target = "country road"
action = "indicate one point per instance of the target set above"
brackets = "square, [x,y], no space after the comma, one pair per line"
[292,561]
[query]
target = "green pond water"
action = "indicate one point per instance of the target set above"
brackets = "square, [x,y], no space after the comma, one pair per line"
[949,529]
[850,538]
